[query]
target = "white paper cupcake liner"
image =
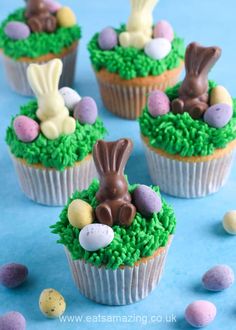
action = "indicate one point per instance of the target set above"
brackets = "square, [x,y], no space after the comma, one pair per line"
[53,187]
[188,179]
[16,72]
[123,286]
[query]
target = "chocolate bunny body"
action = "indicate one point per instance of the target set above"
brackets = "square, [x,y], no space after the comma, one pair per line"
[39,18]
[193,93]
[115,201]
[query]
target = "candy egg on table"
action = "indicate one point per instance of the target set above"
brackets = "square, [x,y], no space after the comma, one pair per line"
[66,17]
[200,313]
[108,39]
[229,222]
[86,111]
[13,275]
[95,236]
[52,5]
[218,278]
[80,213]
[163,29]
[218,115]
[51,303]
[219,94]
[158,48]
[26,129]
[146,200]
[12,321]
[158,103]
[17,30]
[70,96]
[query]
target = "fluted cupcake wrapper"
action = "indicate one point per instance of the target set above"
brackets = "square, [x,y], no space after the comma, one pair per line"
[188,179]
[122,286]
[50,186]
[16,72]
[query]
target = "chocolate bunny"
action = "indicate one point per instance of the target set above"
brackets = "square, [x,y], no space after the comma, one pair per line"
[39,18]
[193,93]
[114,199]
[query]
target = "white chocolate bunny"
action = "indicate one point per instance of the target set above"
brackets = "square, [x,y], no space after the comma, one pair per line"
[54,116]
[139,27]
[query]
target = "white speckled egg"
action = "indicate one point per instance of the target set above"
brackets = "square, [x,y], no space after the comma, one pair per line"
[219,94]
[80,213]
[95,236]
[70,96]
[158,48]
[229,222]
[51,303]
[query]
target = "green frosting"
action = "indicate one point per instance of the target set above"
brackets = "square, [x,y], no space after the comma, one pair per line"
[130,244]
[37,44]
[59,153]
[131,62]
[182,135]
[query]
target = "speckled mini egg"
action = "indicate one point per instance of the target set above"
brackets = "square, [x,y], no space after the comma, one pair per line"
[12,321]
[26,129]
[158,48]
[218,278]
[158,103]
[13,275]
[51,303]
[80,213]
[218,115]
[70,96]
[108,39]
[229,222]
[95,236]
[163,29]
[200,313]
[52,5]
[219,94]
[17,30]
[146,200]
[66,17]
[86,111]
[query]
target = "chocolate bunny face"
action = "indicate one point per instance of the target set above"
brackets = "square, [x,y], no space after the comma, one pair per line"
[35,7]
[115,201]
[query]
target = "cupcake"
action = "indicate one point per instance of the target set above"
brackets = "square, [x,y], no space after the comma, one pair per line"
[135,59]
[116,235]
[51,140]
[189,132]
[38,33]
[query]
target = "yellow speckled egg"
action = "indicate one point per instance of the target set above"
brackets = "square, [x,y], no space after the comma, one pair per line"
[229,222]
[219,94]
[66,17]
[51,303]
[80,213]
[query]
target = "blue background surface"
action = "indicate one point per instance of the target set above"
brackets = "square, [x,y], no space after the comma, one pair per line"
[200,241]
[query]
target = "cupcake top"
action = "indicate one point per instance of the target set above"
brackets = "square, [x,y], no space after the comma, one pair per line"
[60,128]
[137,49]
[195,117]
[42,27]
[112,223]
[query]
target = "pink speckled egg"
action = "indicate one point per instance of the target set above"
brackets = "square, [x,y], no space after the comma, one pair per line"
[200,313]
[163,29]
[53,6]
[12,321]
[17,30]
[158,103]
[26,129]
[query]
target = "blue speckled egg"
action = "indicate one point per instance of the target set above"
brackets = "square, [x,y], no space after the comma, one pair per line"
[13,275]
[107,39]
[17,30]
[218,278]
[86,111]
[146,200]
[218,115]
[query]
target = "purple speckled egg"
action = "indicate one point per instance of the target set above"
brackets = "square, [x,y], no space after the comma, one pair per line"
[146,200]
[13,275]
[53,6]
[12,321]
[218,278]
[86,111]
[107,39]
[163,29]
[26,129]
[200,313]
[158,103]
[17,30]
[218,115]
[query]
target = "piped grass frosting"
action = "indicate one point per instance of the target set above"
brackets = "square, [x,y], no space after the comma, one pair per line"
[180,134]
[37,44]
[130,62]
[141,239]
[60,153]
